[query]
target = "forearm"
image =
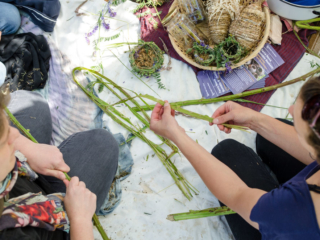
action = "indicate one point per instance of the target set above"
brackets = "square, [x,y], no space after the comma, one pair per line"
[81,230]
[282,135]
[25,146]
[219,178]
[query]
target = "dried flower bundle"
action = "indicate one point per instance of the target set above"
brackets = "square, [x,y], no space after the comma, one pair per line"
[247,28]
[220,14]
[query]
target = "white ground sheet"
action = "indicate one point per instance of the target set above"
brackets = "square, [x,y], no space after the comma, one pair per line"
[147,198]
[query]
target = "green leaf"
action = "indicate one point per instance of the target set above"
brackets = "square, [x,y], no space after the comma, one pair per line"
[100,89]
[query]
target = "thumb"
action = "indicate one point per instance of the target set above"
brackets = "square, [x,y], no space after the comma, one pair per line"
[63,167]
[56,173]
[167,108]
[223,118]
[66,182]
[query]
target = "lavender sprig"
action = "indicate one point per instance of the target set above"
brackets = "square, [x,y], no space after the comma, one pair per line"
[104,24]
[228,67]
[87,39]
[93,31]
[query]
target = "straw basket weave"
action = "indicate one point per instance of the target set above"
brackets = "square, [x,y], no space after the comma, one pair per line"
[205,29]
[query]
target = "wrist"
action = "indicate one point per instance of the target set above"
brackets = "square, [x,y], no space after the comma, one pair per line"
[178,136]
[81,221]
[256,121]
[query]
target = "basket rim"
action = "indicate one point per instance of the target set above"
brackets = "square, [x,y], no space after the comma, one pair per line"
[242,62]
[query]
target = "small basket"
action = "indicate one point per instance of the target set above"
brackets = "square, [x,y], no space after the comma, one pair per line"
[157,59]
[205,29]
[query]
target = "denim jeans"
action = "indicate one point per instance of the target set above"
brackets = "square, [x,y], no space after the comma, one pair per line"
[91,155]
[9,19]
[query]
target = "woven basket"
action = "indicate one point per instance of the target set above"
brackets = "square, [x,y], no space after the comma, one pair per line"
[205,29]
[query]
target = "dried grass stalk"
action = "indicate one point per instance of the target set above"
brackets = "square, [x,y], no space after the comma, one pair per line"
[220,13]
[247,28]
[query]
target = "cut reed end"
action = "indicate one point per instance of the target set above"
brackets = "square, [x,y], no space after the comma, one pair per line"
[170,218]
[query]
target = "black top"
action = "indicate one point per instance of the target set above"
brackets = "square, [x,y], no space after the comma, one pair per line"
[21,187]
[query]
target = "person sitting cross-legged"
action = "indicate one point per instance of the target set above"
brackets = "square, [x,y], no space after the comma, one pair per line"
[36,200]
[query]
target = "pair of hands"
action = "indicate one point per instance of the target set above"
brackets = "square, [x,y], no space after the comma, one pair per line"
[163,121]
[48,160]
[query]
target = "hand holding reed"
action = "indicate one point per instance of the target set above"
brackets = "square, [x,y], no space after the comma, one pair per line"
[234,114]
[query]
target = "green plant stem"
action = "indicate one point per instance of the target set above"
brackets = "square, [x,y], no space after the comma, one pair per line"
[239,95]
[247,101]
[193,114]
[147,118]
[19,126]
[177,176]
[308,49]
[210,212]
[28,135]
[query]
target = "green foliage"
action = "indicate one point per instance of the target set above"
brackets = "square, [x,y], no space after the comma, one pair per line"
[156,75]
[148,3]
[141,5]
[202,50]
[105,39]
[95,68]
[117,2]
[153,22]
[148,12]
[313,64]
[227,52]
[100,88]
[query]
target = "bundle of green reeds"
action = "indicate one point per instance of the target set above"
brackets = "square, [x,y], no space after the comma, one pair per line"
[186,188]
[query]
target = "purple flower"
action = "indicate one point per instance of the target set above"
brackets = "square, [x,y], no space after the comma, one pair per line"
[93,31]
[106,25]
[87,39]
[228,67]
[113,14]
[202,44]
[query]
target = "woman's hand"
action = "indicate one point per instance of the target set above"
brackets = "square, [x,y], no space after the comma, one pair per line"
[42,158]
[233,113]
[163,122]
[80,202]
[47,160]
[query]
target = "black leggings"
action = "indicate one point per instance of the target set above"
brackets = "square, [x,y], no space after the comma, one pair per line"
[271,167]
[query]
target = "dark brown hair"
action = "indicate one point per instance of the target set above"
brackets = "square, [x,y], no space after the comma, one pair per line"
[308,90]
[4,101]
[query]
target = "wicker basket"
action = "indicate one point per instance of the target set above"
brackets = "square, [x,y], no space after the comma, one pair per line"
[205,29]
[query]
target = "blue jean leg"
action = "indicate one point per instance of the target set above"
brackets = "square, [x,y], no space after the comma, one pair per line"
[9,18]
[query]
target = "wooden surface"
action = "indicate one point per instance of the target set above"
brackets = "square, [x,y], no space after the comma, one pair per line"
[205,29]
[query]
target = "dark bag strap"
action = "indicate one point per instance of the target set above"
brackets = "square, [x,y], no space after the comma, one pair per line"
[314,188]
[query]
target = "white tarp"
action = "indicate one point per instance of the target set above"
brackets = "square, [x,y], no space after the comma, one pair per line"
[149,194]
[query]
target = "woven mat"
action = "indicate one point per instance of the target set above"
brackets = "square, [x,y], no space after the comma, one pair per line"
[291,51]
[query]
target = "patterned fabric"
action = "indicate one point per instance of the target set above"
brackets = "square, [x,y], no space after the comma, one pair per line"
[289,42]
[31,209]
